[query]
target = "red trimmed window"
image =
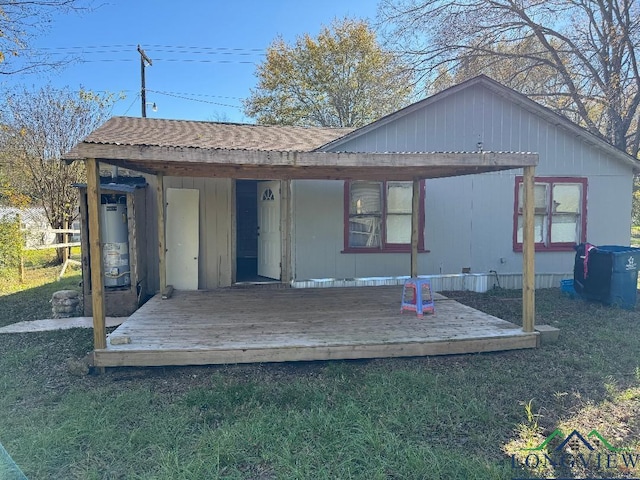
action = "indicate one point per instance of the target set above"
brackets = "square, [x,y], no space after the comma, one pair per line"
[377,216]
[560,220]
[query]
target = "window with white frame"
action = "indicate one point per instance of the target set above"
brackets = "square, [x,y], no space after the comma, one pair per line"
[560,213]
[378,216]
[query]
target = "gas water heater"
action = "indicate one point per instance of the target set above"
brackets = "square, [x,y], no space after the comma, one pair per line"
[115,245]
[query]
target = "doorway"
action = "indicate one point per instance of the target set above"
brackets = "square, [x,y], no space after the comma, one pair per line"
[258,251]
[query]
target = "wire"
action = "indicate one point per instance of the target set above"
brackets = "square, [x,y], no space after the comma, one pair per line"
[131,45]
[79,53]
[195,94]
[165,60]
[194,99]
[132,103]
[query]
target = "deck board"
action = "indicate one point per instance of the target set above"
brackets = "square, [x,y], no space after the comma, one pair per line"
[262,325]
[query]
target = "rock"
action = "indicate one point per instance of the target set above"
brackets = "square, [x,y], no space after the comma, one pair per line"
[79,368]
[69,302]
[65,303]
[119,340]
[63,309]
[65,294]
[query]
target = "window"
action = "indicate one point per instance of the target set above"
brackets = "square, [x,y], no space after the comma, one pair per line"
[378,216]
[560,219]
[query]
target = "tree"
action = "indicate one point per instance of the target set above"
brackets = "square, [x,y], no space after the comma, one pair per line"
[36,130]
[342,78]
[19,22]
[577,56]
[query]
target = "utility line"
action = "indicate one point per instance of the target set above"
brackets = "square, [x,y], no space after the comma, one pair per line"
[193,49]
[195,94]
[189,52]
[194,99]
[184,60]
[132,103]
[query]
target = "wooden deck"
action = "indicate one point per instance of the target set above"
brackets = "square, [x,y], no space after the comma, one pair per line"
[245,325]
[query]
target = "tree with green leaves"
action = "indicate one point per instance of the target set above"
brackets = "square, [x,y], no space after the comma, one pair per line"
[579,57]
[342,78]
[36,130]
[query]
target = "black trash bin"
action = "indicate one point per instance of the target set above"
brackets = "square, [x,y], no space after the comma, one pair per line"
[610,274]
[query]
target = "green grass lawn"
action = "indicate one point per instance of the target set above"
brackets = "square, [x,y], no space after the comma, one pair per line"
[453,417]
[30,300]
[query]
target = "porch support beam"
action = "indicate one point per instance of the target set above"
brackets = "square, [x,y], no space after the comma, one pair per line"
[155,157]
[286,235]
[162,250]
[415,226]
[528,251]
[95,252]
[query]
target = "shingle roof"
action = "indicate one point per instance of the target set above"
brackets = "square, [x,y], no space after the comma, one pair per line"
[210,135]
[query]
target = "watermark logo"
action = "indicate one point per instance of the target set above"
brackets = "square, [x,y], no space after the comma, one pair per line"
[631,264]
[592,452]
[574,441]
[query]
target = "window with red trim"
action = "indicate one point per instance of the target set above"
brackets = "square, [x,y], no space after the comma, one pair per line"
[560,219]
[378,216]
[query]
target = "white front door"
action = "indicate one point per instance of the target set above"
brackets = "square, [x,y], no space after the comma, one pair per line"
[182,238]
[269,255]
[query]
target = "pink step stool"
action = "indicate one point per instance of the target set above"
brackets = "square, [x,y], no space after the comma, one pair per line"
[417,296]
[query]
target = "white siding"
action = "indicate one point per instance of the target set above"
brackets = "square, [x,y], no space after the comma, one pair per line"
[216,203]
[469,220]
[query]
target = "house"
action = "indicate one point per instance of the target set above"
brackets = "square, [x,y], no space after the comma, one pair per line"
[474,223]
[34,224]
[340,231]
[439,188]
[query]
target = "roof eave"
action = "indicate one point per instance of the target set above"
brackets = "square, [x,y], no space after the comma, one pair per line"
[180,161]
[496,87]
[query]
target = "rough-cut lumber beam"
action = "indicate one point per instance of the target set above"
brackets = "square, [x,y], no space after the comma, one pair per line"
[528,251]
[162,251]
[159,154]
[95,252]
[415,226]
[269,172]
[285,221]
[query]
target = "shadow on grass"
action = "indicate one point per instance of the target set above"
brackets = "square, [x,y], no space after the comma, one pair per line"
[433,417]
[33,303]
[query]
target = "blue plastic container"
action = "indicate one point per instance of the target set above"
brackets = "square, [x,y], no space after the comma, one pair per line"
[612,274]
[566,287]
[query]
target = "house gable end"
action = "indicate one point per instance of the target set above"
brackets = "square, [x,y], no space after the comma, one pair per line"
[477,114]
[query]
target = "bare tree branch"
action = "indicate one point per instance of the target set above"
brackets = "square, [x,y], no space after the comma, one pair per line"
[36,130]
[578,57]
[20,22]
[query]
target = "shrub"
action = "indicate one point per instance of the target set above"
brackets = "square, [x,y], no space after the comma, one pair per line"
[10,244]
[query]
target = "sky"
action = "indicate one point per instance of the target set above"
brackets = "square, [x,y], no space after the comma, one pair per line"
[204,52]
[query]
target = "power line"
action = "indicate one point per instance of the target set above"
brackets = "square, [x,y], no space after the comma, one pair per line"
[163,48]
[173,60]
[175,53]
[189,60]
[132,103]
[194,94]
[183,97]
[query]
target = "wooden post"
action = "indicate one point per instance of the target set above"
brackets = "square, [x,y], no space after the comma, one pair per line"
[162,263]
[285,224]
[65,239]
[415,226]
[21,268]
[22,247]
[528,251]
[95,252]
